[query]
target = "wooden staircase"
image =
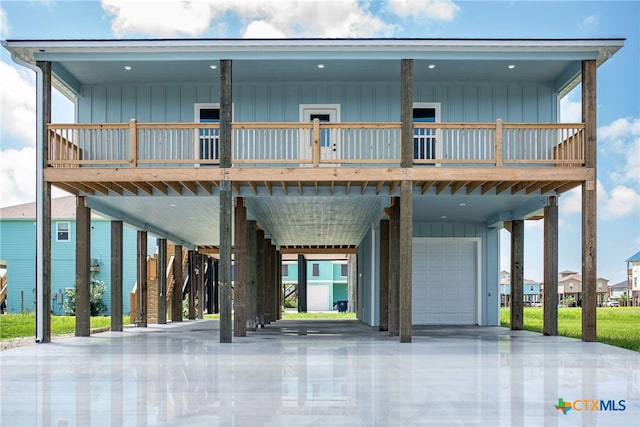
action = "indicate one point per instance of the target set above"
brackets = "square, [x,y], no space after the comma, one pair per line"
[152,287]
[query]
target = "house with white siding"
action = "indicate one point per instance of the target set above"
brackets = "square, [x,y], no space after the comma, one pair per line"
[409,155]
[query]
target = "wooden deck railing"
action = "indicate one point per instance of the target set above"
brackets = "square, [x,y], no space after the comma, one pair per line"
[314,144]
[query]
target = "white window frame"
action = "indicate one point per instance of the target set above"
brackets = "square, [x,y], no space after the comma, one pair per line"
[437,106]
[58,231]
[197,107]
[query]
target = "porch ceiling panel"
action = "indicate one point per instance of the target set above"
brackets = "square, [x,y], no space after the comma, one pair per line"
[317,221]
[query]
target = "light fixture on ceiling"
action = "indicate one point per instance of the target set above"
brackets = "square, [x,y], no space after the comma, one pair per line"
[213,66]
[128,67]
[321,66]
[431,66]
[173,205]
[511,66]
[443,217]
[462,204]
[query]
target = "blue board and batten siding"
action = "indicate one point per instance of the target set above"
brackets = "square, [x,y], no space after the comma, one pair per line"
[279,102]
[368,267]
[17,248]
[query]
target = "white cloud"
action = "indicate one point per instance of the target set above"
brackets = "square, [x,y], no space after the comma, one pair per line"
[262,30]
[161,18]
[622,139]
[4,24]
[570,202]
[346,18]
[17,103]
[589,23]
[570,111]
[441,10]
[18,176]
[622,201]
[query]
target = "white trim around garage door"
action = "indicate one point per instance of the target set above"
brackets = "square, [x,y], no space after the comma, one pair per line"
[478,247]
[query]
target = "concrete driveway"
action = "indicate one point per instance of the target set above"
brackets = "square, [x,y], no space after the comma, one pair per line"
[318,373]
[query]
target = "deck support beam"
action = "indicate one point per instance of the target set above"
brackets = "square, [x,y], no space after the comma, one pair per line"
[225,202]
[116,275]
[201,297]
[192,284]
[83,261]
[302,284]
[43,205]
[176,296]
[589,202]
[550,320]
[260,280]
[142,279]
[267,297]
[394,267]
[517,278]
[240,253]
[384,275]
[406,255]
[251,292]
[161,274]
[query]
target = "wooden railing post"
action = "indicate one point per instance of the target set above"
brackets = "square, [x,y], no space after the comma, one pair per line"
[315,145]
[497,149]
[133,143]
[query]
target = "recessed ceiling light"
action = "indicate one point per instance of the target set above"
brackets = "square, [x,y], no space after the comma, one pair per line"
[462,204]
[431,66]
[511,66]
[127,67]
[173,205]
[443,217]
[321,66]
[213,66]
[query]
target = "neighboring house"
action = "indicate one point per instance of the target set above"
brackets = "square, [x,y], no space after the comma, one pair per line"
[633,278]
[570,285]
[18,251]
[619,290]
[327,282]
[412,154]
[531,292]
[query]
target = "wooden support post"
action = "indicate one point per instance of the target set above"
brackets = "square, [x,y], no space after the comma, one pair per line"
[240,287]
[315,143]
[550,320]
[267,301]
[216,286]
[192,284]
[43,213]
[406,255]
[200,297]
[142,279]
[497,149]
[394,267]
[280,290]
[589,202]
[275,300]
[161,274]
[176,296]
[260,280]
[384,275]
[302,284]
[251,276]
[83,261]
[517,278]
[406,113]
[133,143]
[225,202]
[116,275]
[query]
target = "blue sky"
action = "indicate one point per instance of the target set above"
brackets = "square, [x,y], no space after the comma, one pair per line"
[618,94]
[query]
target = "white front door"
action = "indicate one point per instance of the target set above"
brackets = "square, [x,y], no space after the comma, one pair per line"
[445,281]
[329,138]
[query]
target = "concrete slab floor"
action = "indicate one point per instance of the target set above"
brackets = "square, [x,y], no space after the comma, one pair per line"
[318,373]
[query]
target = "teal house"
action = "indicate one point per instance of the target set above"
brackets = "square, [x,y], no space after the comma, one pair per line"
[327,282]
[18,253]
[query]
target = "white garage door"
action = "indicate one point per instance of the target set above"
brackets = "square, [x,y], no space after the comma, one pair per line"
[445,281]
[318,298]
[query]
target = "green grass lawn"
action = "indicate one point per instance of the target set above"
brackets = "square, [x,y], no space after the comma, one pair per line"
[619,326]
[24,325]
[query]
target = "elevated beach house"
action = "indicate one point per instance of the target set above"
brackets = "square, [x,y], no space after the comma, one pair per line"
[409,154]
